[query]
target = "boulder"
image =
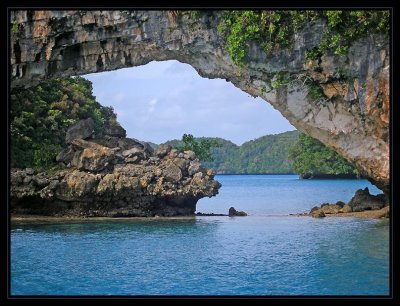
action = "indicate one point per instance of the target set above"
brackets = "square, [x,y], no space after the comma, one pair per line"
[171,172]
[163,150]
[66,155]
[345,209]
[135,151]
[93,157]
[114,130]
[363,200]
[233,212]
[194,167]
[128,143]
[318,213]
[330,209]
[29,171]
[189,155]
[82,129]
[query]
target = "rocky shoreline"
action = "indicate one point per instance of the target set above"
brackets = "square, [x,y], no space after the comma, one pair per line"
[362,205]
[112,176]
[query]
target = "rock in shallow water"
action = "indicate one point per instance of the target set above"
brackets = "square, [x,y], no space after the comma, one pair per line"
[233,212]
[101,183]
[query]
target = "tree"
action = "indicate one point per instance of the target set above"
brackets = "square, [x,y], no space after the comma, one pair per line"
[202,148]
[311,157]
[41,115]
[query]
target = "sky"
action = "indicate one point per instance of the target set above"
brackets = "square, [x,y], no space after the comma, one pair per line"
[162,101]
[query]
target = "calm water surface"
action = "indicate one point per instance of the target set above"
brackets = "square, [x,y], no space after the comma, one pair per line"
[266,253]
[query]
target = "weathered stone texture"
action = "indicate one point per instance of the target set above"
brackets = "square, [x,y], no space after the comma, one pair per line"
[354,121]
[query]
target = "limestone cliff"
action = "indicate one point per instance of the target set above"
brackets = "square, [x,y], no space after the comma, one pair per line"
[353,119]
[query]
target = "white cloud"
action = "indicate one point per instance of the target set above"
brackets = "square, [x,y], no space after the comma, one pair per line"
[153,101]
[152,105]
[163,100]
[119,97]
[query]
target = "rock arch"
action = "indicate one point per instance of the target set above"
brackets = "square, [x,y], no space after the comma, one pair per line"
[354,120]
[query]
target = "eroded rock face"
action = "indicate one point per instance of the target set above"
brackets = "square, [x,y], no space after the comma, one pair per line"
[363,200]
[96,180]
[353,119]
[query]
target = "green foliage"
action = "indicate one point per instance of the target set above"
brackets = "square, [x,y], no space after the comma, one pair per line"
[202,147]
[41,115]
[267,154]
[44,155]
[315,91]
[274,30]
[14,28]
[310,156]
[194,14]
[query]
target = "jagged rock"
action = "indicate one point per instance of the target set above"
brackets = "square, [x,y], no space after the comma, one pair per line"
[147,149]
[40,181]
[80,130]
[331,209]
[233,212]
[29,171]
[318,213]
[363,200]
[171,172]
[94,157]
[189,155]
[182,163]
[133,152]
[114,130]
[174,153]
[134,159]
[128,143]
[163,150]
[195,166]
[314,209]
[115,182]
[345,209]
[66,155]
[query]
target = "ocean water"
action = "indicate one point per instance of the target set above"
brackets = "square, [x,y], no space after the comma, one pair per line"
[267,253]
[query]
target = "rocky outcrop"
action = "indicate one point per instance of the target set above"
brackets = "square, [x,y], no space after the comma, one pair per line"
[361,201]
[317,213]
[233,212]
[352,119]
[97,178]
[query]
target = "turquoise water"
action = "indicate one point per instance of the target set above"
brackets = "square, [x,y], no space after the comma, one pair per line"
[266,253]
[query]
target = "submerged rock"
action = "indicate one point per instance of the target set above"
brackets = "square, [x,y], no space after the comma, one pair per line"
[120,181]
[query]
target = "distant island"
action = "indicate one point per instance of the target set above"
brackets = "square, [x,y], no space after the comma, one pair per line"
[285,153]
